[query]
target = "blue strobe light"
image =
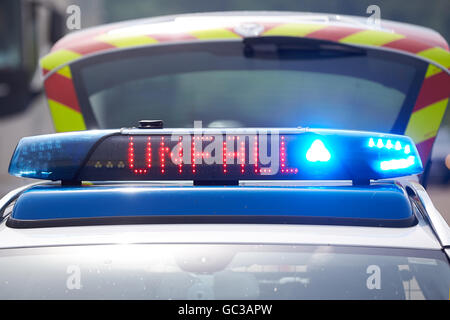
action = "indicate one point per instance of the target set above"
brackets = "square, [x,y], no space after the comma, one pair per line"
[318,152]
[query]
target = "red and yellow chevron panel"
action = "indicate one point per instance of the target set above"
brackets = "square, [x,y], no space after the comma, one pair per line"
[67,51]
[63,101]
[429,111]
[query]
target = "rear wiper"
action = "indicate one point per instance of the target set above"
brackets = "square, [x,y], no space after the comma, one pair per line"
[297,48]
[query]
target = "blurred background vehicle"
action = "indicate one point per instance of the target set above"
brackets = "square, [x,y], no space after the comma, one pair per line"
[29,27]
[21,23]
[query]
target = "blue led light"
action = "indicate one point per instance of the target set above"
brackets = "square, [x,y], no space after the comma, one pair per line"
[396,164]
[380,144]
[389,144]
[54,156]
[407,149]
[318,152]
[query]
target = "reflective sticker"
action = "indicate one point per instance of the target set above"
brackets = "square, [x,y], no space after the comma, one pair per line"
[424,149]
[408,45]
[332,33]
[58,58]
[438,55]
[65,71]
[432,70]
[372,37]
[433,89]
[424,123]
[65,118]
[121,41]
[61,90]
[294,29]
[214,34]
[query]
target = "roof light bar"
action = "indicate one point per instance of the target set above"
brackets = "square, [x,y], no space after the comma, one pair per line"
[213,155]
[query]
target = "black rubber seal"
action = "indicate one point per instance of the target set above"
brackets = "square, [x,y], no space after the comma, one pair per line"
[211,219]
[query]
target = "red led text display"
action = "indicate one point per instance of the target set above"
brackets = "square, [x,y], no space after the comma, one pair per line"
[191,156]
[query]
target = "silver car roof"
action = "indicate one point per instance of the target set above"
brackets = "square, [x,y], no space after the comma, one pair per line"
[431,232]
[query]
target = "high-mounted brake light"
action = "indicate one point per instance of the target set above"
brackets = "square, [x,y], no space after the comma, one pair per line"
[212,156]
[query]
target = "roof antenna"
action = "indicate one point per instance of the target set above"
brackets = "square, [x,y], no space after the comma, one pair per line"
[151,124]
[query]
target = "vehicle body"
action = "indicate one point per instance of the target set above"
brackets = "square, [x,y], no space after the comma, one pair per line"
[136,213]
[422,116]
[440,170]
[162,229]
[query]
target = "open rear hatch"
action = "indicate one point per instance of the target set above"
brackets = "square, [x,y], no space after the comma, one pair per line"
[281,82]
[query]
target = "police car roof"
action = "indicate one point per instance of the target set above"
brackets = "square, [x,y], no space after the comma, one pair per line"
[382,205]
[419,236]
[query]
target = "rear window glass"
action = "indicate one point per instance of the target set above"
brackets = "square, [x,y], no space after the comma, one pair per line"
[219,85]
